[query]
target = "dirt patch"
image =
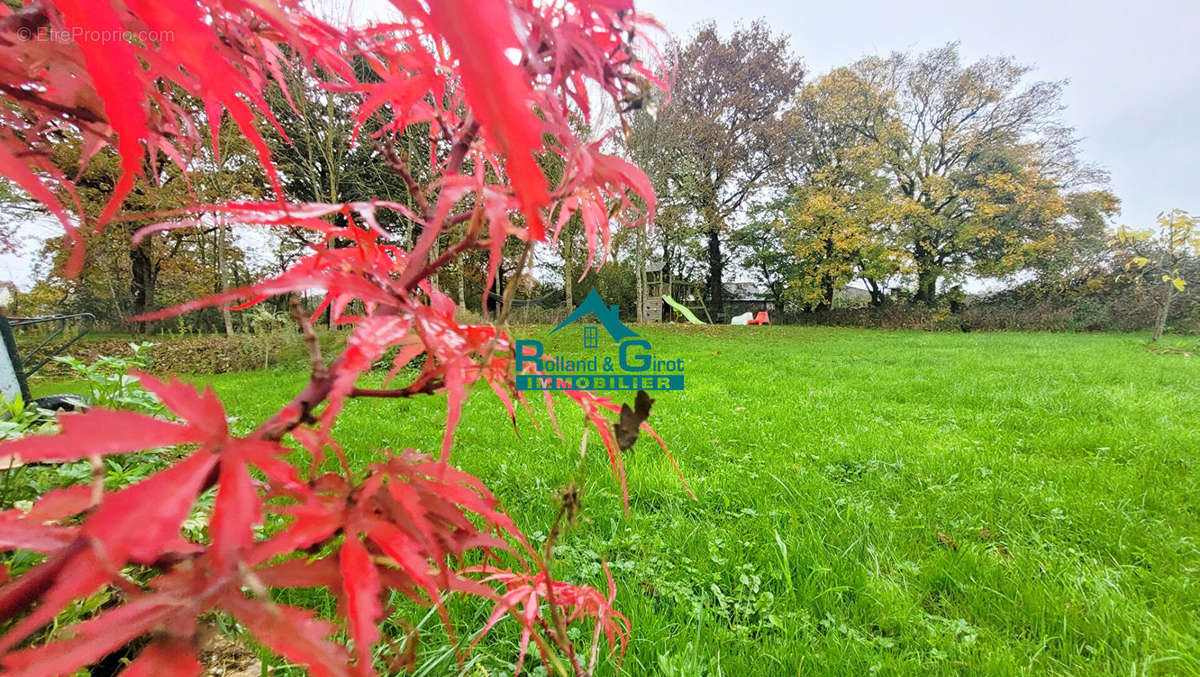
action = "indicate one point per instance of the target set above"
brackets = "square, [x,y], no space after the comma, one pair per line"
[222,657]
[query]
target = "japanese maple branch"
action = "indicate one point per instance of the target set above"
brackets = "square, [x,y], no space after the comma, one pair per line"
[400,165]
[299,409]
[425,384]
[420,252]
[310,339]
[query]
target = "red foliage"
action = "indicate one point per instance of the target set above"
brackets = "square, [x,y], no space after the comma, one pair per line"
[499,83]
[527,593]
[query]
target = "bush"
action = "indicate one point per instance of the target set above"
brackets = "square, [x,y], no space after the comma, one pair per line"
[144,566]
[888,316]
[1099,303]
[200,355]
[1091,305]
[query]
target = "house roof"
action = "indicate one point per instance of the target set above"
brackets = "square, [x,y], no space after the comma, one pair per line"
[749,291]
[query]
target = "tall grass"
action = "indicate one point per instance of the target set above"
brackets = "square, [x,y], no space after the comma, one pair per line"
[866,501]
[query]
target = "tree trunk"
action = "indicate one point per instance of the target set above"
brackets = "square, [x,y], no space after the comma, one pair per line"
[927,275]
[141,282]
[877,295]
[715,271]
[566,242]
[569,289]
[462,282]
[223,274]
[827,281]
[493,300]
[926,286]
[568,278]
[641,275]
[776,291]
[826,295]
[338,243]
[1160,322]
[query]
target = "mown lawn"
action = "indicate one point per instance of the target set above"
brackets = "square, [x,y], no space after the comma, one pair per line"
[866,501]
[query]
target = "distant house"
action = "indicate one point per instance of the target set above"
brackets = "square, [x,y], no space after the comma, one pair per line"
[747,291]
[743,297]
[851,296]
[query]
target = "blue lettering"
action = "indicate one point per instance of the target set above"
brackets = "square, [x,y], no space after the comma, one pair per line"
[523,357]
[641,360]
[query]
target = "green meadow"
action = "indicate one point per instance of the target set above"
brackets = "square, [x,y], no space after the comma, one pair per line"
[866,501]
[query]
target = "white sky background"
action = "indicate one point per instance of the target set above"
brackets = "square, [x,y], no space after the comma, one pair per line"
[1134,72]
[1133,67]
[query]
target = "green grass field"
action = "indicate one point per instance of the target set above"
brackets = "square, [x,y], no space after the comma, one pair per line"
[866,500]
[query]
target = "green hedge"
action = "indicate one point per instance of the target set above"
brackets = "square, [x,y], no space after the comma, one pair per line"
[203,354]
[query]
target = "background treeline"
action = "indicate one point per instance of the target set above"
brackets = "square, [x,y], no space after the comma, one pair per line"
[871,195]
[906,177]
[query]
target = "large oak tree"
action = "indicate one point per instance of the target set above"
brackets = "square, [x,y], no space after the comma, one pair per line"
[986,173]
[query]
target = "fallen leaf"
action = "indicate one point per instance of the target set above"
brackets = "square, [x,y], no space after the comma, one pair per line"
[629,425]
[946,541]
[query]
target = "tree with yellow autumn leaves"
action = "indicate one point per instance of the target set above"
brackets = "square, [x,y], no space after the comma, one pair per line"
[937,169]
[835,218]
[1157,257]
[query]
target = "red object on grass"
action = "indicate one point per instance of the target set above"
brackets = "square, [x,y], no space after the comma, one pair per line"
[761,318]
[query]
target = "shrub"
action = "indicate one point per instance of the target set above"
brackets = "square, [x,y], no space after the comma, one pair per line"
[1092,304]
[493,84]
[205,354]
[109,382]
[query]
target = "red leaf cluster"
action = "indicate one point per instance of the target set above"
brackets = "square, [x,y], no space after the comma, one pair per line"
[497,85]
[525,594]
[106,72]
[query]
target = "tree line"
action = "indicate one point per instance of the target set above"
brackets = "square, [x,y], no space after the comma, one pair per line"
[906,175]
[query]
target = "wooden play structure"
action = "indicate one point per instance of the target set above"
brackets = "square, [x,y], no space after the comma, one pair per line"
[668,300]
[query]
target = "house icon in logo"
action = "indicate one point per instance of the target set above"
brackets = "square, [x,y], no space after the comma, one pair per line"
[607,315]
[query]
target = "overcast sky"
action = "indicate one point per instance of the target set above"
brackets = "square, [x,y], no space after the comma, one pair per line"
[1133,68]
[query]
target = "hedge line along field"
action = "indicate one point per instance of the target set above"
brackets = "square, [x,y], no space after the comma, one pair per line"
[865,500]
